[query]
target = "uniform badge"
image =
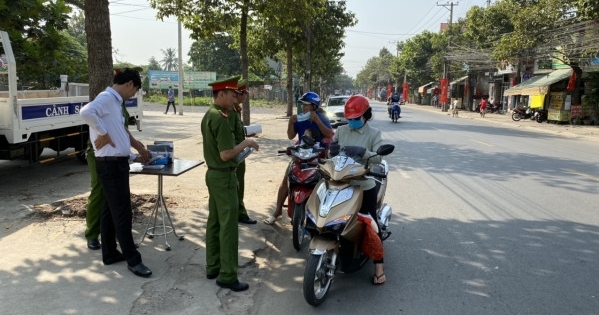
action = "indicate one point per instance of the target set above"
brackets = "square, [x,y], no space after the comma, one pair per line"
[226,115]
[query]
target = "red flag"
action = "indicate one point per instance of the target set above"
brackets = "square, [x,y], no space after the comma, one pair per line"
[444,87]
[405,91]
[572,83]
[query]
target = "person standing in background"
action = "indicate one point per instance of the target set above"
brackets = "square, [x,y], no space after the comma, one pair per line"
[171,100]
[239,132]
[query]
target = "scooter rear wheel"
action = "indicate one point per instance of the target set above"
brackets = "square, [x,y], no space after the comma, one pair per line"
[318,278]
[299,223]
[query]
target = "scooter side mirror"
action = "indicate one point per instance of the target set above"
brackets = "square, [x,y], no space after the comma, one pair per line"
[385,149]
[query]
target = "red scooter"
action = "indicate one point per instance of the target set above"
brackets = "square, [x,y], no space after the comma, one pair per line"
[302,177]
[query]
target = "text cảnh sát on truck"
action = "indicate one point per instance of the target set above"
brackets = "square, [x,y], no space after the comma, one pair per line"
[31,120]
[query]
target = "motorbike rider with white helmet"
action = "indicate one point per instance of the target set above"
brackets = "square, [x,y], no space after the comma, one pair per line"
[313,120]
[360,141]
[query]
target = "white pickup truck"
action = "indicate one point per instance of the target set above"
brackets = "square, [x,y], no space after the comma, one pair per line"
[31,120]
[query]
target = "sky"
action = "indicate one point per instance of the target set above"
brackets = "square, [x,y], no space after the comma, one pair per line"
[137,35]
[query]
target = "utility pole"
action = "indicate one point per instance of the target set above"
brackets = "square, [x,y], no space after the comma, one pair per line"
[180,70]
[447,63]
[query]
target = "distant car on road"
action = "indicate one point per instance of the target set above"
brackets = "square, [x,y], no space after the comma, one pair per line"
[335,107]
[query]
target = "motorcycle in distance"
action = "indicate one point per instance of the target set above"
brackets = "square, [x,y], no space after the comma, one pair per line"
[301,179]
[522,113]
[394,111]
[496,107]
[540,115]
[332,220]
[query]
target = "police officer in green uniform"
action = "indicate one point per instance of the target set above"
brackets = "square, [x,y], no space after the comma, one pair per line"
[220,152]
[95,200]
[239,132]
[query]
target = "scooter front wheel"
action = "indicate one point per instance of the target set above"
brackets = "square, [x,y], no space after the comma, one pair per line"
[299,223]
[318,278]
[539,118]
[516,117]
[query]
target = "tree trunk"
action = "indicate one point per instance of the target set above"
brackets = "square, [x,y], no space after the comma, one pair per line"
[289,86]
[244,59]
[99,46]
[308,76]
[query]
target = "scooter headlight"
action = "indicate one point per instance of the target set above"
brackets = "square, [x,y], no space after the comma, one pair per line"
[330,198]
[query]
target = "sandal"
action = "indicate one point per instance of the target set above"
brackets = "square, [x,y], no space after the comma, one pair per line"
[271,220]
[376,280]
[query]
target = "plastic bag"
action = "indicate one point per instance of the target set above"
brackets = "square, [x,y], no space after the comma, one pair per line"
[372,246]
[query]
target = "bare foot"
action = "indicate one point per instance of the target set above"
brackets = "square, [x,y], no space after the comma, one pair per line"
[379,274]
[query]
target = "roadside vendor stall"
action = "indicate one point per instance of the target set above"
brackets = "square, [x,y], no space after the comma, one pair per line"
[545,91]
[425,96]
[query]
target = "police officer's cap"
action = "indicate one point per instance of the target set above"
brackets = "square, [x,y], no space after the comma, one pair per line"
[225,84]
[242,85]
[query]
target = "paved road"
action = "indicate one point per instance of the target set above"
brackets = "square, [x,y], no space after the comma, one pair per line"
[489,218]
[457,248]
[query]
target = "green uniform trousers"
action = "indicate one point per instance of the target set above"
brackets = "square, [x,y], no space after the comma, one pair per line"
[222,235]
[95,201]
[243,213]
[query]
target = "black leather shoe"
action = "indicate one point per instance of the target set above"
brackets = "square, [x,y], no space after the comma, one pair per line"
[118,257]
[235,286]
[211,277]
[140,270]
[93,244]
[247,220]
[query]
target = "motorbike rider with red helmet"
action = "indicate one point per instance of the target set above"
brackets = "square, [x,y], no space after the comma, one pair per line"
[360,141]
[313,120]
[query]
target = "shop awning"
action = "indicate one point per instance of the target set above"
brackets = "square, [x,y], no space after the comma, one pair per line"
[539,84]
[421,89]
[458,80]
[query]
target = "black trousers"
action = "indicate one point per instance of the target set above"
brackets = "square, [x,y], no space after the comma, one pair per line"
[168,105]
[115,221]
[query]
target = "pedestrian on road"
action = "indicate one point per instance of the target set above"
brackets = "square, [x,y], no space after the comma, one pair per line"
[171,100]
[220,152]
[239,132]
[112,145]
[483,107]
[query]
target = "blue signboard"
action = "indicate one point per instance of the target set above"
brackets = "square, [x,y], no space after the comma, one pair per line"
[132,102]
[54,110]
[191,79]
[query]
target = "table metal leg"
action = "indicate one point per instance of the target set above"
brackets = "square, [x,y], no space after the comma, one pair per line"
[160,205]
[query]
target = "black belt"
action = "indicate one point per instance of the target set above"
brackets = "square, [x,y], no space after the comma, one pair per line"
[112,158]
[223,169]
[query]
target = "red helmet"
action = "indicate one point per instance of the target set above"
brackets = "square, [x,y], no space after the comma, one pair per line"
[356,106]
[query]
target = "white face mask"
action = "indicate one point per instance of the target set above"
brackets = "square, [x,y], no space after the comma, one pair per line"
[303,116]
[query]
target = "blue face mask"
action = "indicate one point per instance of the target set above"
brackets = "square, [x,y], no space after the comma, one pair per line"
[355,123]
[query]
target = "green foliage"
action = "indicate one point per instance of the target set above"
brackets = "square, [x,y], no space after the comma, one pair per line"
[215,55]
[153,64]
[187,101]
[42,50]
[170,62]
